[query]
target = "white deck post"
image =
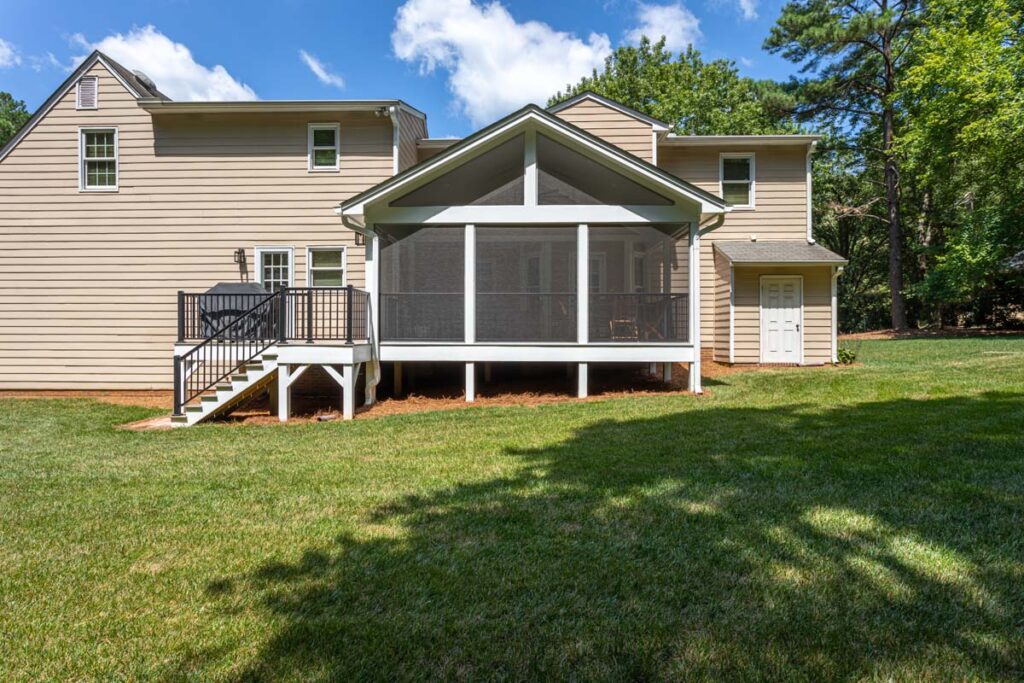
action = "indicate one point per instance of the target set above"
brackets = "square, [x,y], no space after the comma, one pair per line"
[695,386]
[284,392]
[666,373]
[581,380]
[583,284]
[348,391]
[470,382]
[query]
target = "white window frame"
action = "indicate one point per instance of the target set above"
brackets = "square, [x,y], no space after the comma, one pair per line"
[310,148]
[260,251]
[83,177]
[602,271]
[78,92]
[326,247]
[753,178]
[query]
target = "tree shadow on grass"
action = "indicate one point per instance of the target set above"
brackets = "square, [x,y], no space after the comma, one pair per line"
[871,540]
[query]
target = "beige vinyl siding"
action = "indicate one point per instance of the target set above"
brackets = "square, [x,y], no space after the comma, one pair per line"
[622,130]
[88,280]
[817,327]
[723,289]
[780,211]
[410,129]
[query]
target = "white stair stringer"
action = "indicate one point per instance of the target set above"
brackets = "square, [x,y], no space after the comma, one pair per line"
[231,391]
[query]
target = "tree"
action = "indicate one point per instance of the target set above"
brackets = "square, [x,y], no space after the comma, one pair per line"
[13,116]
[696,97]
[856,50]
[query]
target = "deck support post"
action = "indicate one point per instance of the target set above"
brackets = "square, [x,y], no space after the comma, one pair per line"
[398,379]
[284,392]
[666,373]
[487,372]
[470,382]
[348,391]
[581,380]
[652,369]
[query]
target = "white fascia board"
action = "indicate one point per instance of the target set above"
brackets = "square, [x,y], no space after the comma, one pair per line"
[581,144]
[526,215]
[155,106]
[720,140]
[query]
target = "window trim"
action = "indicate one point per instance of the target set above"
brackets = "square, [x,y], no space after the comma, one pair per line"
[258,256]
[83,178]
[326,247]
[752,203]
[78,93]
[310,148]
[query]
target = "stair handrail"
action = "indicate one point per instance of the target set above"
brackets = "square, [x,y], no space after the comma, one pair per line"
[250,348]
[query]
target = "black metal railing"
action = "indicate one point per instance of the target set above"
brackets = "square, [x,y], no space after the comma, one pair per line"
[639,317]
[526,316]
[224,351]
[422,316]
[235,328]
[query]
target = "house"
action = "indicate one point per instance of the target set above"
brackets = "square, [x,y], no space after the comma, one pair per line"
[360,247]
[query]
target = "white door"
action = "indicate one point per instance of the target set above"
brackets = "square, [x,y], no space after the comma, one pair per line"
[781,319]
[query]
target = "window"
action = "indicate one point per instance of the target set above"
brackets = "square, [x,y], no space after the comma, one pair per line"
[275,268]
[323,147]
[87,93]
[598,273]
[737,180]
[327,267]
[99,159]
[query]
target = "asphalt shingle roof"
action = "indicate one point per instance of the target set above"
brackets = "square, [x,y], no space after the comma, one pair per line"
[777,252]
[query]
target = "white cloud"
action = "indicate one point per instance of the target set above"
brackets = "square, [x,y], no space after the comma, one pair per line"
[320,70]
[494,63]
[675,22]
[169,64]
[748,8]
[8,55]
[49,60]
[746,62]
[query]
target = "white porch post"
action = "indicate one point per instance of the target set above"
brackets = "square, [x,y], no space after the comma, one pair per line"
[666,373]
[469,306]
[582,373]
[695,386]
[373,288]
[582,284]
[284,392]
[348,391]
[530,190]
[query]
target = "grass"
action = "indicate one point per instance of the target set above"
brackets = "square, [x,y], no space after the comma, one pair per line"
[853,523]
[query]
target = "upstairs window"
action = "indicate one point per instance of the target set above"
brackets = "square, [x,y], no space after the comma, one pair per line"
[99,159]
[323,147]
[327,267]
[87,93]
[737,180]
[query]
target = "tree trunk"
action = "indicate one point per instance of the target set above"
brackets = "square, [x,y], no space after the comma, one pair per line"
[892,193]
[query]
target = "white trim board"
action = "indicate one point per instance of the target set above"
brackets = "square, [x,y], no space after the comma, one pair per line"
[537,353]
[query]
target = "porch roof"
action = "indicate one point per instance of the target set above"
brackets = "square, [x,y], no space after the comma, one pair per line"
[511,125]
[778,253]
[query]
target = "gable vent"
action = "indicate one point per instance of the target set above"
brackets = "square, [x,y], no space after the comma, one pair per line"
[88,87]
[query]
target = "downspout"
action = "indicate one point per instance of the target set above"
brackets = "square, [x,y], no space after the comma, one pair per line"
[810,188]
[395,138]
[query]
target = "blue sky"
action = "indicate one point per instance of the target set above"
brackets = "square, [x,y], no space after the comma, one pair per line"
[463,62]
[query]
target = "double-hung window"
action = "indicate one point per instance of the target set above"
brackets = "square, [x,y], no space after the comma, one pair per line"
[737,180]
[323,146]
[326,266]
[98,151]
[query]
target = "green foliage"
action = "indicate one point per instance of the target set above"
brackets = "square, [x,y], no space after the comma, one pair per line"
[13,116]
[845,355]
[694,96]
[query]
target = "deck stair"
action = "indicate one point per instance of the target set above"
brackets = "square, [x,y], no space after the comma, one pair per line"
[244,383]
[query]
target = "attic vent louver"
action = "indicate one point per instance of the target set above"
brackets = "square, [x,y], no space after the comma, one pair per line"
[145,80]
[88,96]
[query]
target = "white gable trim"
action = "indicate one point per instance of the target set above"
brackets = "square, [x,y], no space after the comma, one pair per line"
[658,126]
[59,94]
[556,129]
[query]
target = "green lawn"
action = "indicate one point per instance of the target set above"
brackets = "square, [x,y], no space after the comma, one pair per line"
[858,523]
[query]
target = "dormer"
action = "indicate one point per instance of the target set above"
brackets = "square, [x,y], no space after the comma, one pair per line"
[616,123]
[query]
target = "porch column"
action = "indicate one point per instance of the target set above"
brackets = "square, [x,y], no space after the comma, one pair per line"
[470,382]
[582,284]
[284,392]
[469,285]
[581,380]
[695,306]
[348,391]
[373,288]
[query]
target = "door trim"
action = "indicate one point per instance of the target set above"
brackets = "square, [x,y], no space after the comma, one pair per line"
[760,313]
